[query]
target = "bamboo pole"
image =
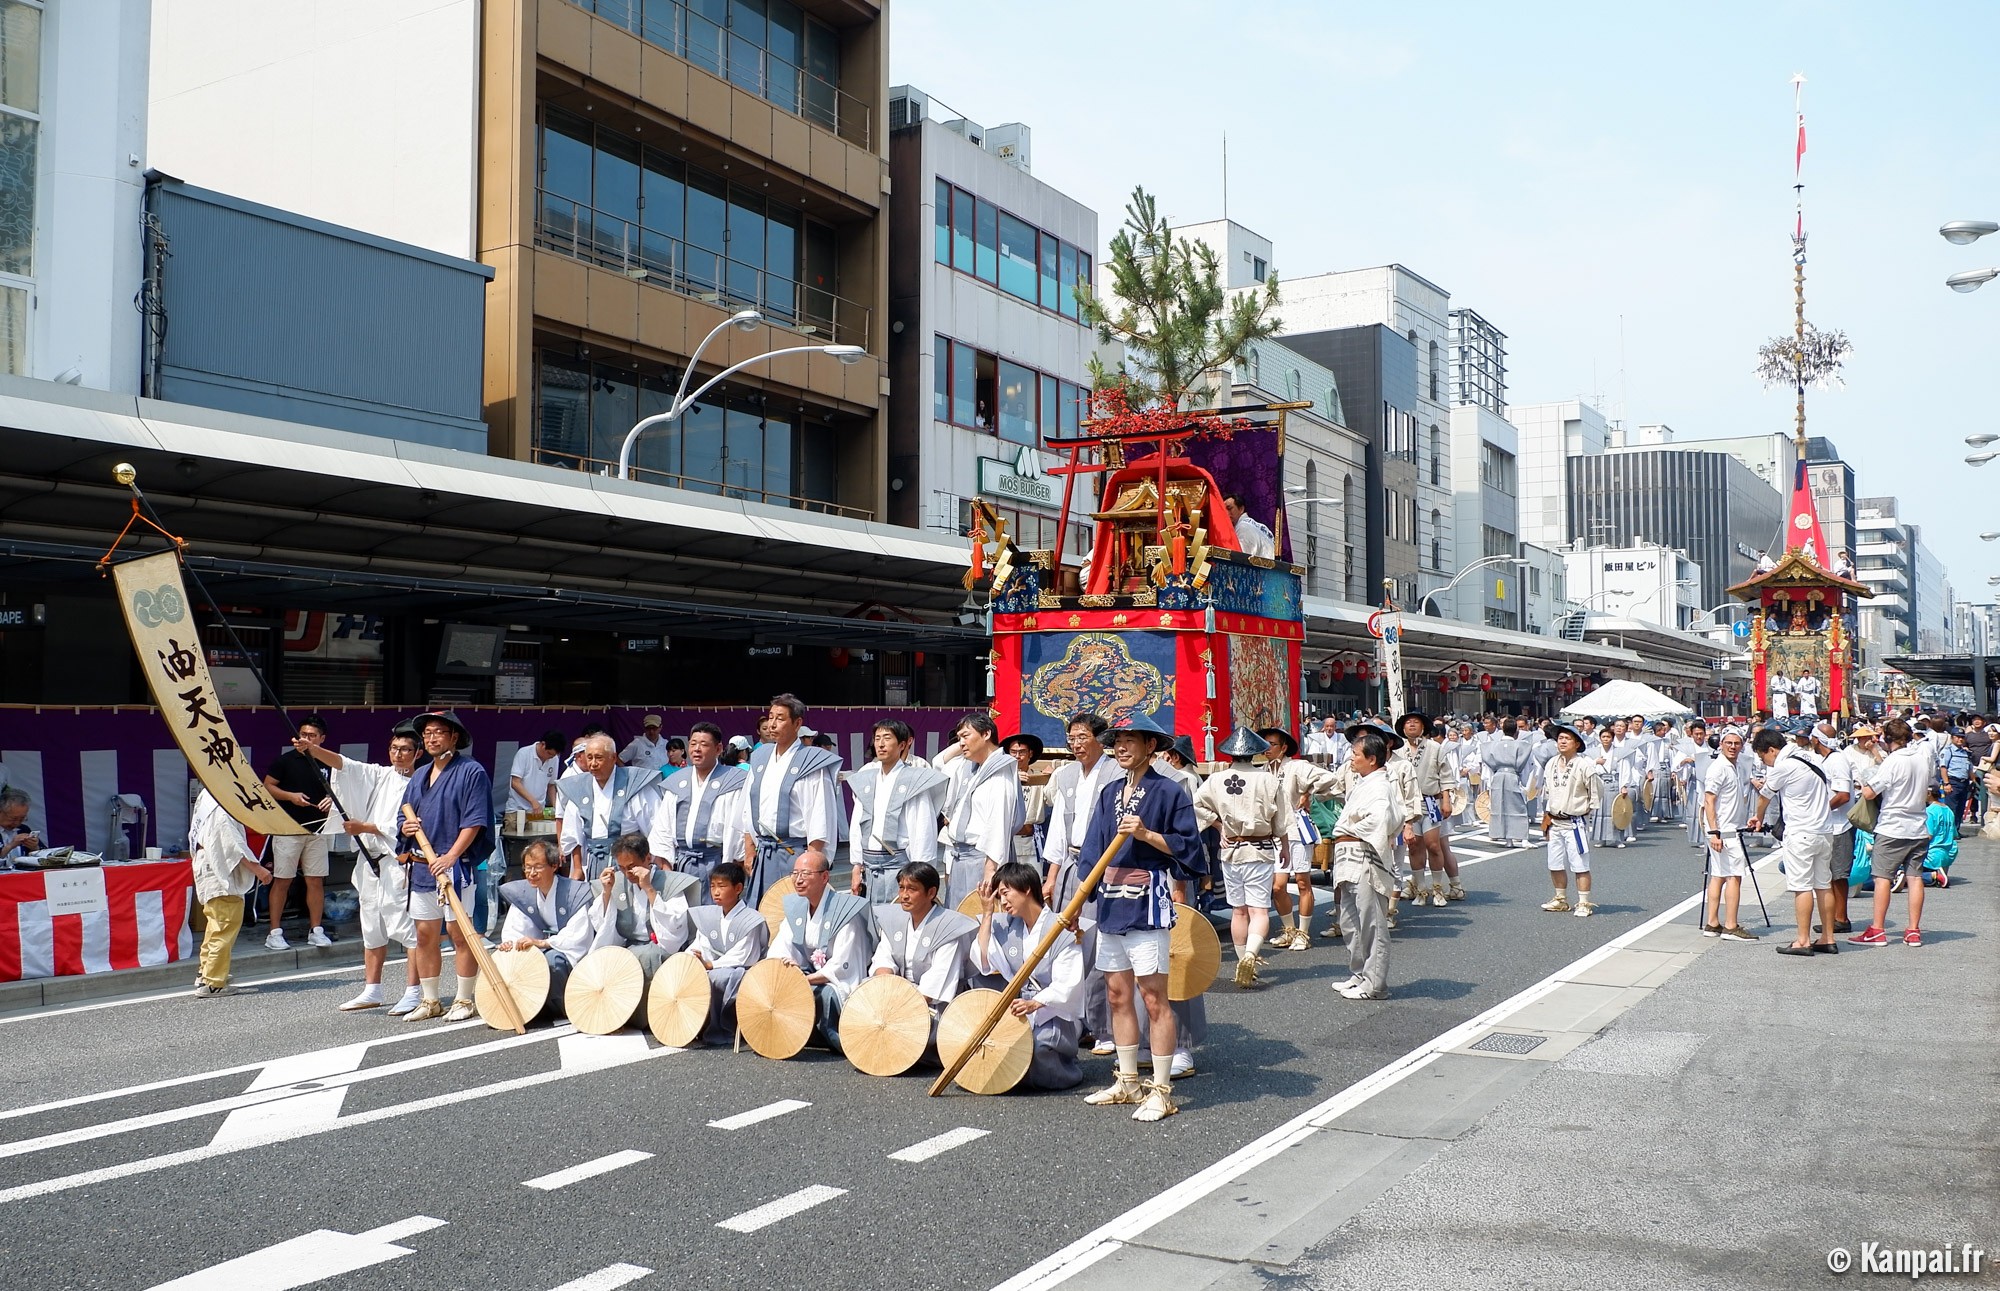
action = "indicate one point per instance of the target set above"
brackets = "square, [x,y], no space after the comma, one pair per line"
[510,1012]
[1066,920]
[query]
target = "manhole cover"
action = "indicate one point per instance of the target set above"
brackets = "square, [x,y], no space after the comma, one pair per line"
[1508,1042]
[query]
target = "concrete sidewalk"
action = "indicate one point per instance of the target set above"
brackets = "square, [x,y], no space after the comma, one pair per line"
[1683,1113]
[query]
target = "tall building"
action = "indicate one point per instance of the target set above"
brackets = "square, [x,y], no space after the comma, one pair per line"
[1771,458]
[1551,434]
[1394,297]
[1485,509]
[1885,560]
[1709,505]
[72,181]
[634,175]
[1833,493]
[984,260]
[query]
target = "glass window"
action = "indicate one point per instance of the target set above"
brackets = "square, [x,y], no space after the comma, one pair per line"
[566,157]
[1083,267]
[961,229]
[746,246]
[1049,272]
[1016,403]
[943,222]
[985,390]
[13,331]
[662,23]
[701,448]
[1017,257]
[743,462]
[563,418]
[820,278]
[781,260]
[1045,416]
[20,56]
[746,64]
[964,385]
[659,449]
[822,75]
[1075,399]
[707,224]
[704,39]
[818,465]
[1066,267]
[616,190]
[777,459]
[18,140]
[614,406]
[987,235]
[941,381]
[788,32]
[746,19]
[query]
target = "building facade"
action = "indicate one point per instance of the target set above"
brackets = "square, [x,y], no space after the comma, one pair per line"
[1551,434]
[1709,505]
[984,264]
[1647,582]
[1485,510]
[1885,560]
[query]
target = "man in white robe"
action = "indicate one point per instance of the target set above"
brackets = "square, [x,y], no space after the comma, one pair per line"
[601,803]
[1012,923]
[827,935]
[983,808]
[641,905]
[1074,792]
[921,941]
[791,805]
[374,794]
[698,827]
[897,799]
[550,912]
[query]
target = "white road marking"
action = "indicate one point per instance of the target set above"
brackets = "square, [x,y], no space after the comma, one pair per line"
[607,1278]
[938,1144]
[783,1208]
[304,1260]
[128,1091]
[587,1170]
[1108,1237]
[757,1114]
[64,1183]
[214,1106]
[588,1052]
[317,1107]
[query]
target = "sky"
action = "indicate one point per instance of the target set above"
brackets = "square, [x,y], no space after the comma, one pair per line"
[1609,185]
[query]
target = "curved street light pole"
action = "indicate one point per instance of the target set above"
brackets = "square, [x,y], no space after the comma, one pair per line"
[1474,566]
[745,320]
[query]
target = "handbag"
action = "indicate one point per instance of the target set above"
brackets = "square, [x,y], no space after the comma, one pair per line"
[1863,813]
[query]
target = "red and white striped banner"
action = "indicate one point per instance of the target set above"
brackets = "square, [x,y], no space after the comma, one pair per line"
[128,916]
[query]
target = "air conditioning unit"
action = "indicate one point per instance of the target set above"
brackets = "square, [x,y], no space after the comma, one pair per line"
[907,106]
[971,131]
[1010,143]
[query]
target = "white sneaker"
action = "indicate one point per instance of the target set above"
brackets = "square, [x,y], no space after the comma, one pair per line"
[411,998]
[318,937]
[276,941]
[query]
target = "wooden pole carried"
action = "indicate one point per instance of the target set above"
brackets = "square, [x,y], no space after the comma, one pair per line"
[510,1012]
[1066,920]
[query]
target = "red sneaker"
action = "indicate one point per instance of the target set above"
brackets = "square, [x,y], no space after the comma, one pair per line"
[1872,937]
[1914,937]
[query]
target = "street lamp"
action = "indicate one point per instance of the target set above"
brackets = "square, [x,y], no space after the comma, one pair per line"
[1475,565]
[745,321]
[1981,457]
[1714,609]
[1982,439]
[1989,535]
[1971,279]
[1962,233]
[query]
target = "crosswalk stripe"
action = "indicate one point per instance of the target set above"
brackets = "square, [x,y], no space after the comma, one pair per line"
[783,1208]
[756,1114]
[606,1278]
[301,1261]
[938,1144]
[587,1170]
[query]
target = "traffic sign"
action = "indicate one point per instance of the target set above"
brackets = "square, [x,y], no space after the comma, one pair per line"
[1740,629]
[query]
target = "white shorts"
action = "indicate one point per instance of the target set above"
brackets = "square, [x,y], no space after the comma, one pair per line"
[1142,952]
[1808,859]
[292,852]
[383,918]
[1298,858]
[1728,862]
[1569,846]
[1248,886]
[430,907]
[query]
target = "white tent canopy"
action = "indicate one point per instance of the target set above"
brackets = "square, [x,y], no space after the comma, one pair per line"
[1615,699]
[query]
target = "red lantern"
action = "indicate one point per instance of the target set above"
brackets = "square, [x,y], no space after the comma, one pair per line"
[1486,681]
[1465,672]
[1361,670]
[1444,684]
[837,656]
[1339,669]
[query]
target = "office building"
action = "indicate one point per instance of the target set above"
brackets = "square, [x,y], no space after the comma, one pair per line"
[1645,581]
[1551,434]
[984,263]
[1485,513]
[1885,560]
[1709,505]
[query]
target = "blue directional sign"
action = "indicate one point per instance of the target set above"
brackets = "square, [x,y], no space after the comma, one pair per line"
[1740,628]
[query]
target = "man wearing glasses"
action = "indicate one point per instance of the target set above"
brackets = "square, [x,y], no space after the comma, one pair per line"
[827,935]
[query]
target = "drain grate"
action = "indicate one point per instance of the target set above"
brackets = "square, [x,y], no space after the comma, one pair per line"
[1508,1042]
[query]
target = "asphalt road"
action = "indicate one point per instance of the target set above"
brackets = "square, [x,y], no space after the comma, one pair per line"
[335,1166]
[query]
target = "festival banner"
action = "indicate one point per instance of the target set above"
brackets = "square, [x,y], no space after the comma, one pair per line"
[1390,657]
[164,632]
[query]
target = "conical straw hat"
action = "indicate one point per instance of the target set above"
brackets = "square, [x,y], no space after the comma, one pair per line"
[772,907]
[1001,1060]
[677,1001]
[775,1008]
[884,1026]
[1194,954]
[526,973]
[604,990]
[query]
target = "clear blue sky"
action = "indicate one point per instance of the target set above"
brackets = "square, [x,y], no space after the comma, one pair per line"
[1562,167]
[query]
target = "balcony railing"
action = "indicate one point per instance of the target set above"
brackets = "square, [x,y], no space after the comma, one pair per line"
[660,260]
[696,484]
[742,63]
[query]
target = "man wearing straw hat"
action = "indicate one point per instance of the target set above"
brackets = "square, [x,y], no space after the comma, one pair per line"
[453,799]
[1302,782]
[1249,810]
[1570,794]
[1135,909]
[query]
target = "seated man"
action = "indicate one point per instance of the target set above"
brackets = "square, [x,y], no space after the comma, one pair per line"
[729,936]
[1052,999]
[16,839]
[642,907]
[549,912]
[921,941]
[827,935]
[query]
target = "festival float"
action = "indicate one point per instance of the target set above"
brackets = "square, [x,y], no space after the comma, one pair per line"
[1167,616]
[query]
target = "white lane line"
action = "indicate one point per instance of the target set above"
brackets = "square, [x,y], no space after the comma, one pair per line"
[128,1091]
[783,1208]
[757,1114]
[588,1052]
[301,1261]
[1108,1237]
[607,1278]
[84,1179]
[587,1170]
[214,1106]
[938,1144]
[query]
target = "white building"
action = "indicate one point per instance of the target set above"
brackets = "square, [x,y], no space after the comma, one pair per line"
[1772,457]
[1647,582]
[1395,297]
[1545,589]
[1551,434]
[1485,511]
[982,293]
[73,158]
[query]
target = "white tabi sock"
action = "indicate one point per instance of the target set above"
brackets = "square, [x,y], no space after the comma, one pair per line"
[1128,1061]
[1163,1069]
[465,987]
[429,985]
[371,991]
[1252,946]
